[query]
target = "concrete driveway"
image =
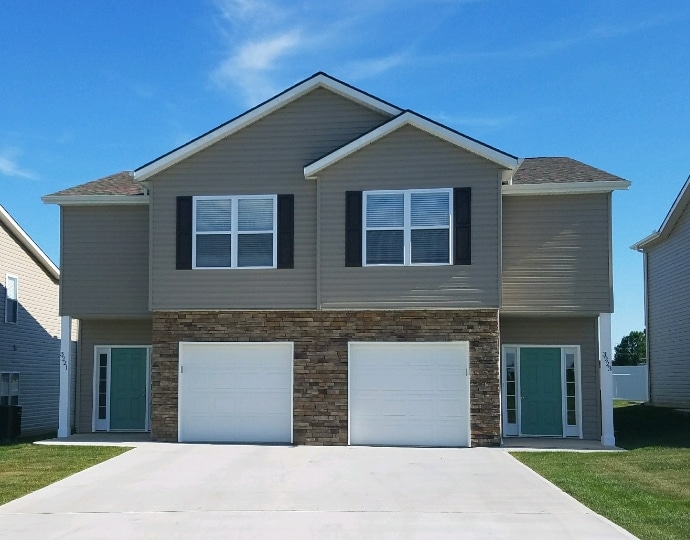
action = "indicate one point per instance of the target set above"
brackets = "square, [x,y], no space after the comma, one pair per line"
[271,492]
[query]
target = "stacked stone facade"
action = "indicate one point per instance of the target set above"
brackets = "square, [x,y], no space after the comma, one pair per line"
[320,360]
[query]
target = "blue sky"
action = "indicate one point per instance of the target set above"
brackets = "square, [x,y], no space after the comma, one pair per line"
[91,88]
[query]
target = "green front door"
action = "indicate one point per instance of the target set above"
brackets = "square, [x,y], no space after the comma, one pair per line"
[541,411]
[128,368]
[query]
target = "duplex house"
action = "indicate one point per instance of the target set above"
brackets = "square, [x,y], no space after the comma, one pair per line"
[29,331]
[328,268]
[666,258]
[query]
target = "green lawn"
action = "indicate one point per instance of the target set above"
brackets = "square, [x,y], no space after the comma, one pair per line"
[645,490]
[26,467]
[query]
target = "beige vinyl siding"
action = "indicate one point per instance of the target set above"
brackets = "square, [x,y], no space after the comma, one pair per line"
[267,157]
[582,331]
[668,317]
[104,261]
[410,159]
[103,332]
[32,345]
[556,253]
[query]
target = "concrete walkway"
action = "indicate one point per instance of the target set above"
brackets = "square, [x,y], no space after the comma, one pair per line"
[160,490]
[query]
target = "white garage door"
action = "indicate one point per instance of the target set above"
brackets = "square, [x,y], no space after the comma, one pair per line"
[414,394]
[235,392]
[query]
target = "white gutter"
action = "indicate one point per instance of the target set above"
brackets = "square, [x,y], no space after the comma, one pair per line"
[94,200]
[565,188]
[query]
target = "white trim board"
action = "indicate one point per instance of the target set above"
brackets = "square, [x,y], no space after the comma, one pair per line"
[319,80]
[26,242]
[409,118]
[564,188]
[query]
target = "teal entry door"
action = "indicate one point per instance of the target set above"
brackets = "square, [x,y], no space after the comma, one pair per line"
[541,395]
[128,395]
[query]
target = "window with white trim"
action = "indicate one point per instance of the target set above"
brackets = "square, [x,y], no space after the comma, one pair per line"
[234,231]
[407,227]
[9,388]
[11,298]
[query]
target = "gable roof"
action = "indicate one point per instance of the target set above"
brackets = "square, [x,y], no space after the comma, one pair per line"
[560,175]
[118,188]
[410,118]
[318,80]
[674,214]
[28,244]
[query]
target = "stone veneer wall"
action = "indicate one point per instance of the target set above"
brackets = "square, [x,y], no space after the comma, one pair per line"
[320,363]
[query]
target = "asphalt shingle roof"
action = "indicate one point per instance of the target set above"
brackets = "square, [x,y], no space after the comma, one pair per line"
[545,170]
[121,183]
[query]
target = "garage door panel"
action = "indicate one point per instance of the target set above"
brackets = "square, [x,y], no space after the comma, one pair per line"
[235,392]
[409,393]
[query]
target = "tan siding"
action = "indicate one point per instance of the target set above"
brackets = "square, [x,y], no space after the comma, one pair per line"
[668,312]
[32,346]
[556,254]
[406,159]
[267,157]
[104,261]
[582,331]
[103,332]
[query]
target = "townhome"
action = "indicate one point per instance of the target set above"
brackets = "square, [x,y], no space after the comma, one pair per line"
[328,268]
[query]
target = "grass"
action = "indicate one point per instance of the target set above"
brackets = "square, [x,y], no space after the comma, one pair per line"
[645,490]
[26,467]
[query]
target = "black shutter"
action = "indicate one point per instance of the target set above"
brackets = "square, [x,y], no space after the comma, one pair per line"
[353,228]
[184,233]
[462,210]
[286,231]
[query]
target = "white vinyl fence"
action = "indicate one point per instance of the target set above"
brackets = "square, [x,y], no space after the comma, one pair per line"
[630,382]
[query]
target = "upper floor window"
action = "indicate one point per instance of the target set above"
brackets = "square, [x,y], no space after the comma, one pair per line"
[235,231]
[11,302]
[9,388]
[408,227]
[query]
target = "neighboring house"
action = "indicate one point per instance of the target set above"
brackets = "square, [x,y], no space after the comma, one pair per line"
[29,329]
[666,256]
[330,269]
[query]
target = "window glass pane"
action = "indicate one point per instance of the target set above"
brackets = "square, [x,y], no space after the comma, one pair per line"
[571,418]
[570,375]
[510,388]
[571,403]
[14,383]
[569,361]
[430,246]
[511,417]
[101,413]
[385,247]
[213,215]
[385,210]
[11,288]
[255,250]
[510,374]
[255,214]
[430,209]
[103,360]
[511,402]
[571,389]
[4,400]
[4,384]
[510,359]
[102,400]
[213,250]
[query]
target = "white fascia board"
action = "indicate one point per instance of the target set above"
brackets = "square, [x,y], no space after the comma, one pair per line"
[28,243]
[95,200]
[259,112]
[642,244]
[564,188]
[412,119]
[674,214]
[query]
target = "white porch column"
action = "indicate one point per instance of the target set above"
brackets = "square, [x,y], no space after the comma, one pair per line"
[65,356]
[606,380]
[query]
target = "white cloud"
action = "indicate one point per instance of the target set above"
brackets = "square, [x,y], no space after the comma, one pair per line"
[363,69]
[250,65]
[10,167]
